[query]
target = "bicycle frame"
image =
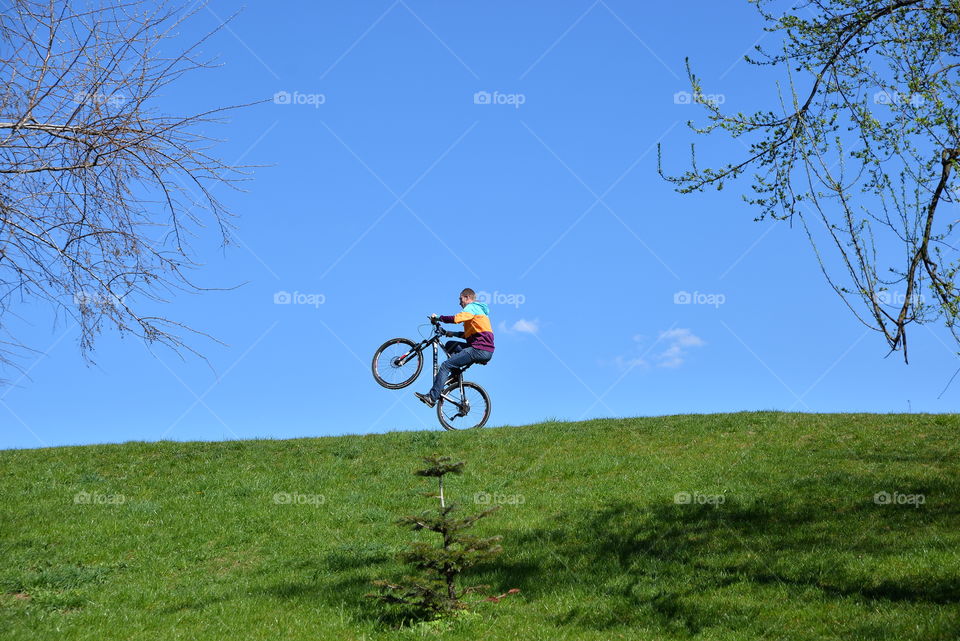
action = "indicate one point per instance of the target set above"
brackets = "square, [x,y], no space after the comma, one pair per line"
[434,340]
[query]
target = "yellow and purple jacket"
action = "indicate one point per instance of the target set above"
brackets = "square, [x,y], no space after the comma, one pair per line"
[476,325]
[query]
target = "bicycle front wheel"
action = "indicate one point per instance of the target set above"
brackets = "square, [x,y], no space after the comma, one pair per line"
[458,411]
[397,363]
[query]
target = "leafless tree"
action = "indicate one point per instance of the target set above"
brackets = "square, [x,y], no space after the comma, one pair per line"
[100,192]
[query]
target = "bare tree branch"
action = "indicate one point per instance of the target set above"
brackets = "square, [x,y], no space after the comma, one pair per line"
[94,204]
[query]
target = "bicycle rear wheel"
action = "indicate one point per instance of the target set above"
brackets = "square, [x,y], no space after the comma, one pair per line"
[394,366]
[462,412]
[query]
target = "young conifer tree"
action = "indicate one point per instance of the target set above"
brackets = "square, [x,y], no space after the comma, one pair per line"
[433,590]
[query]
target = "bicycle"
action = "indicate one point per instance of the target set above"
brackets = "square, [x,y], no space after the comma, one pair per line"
[398,362]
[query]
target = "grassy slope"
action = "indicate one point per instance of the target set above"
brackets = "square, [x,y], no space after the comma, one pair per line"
[598,547]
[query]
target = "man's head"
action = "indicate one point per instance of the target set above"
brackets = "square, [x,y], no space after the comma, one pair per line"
[467,296]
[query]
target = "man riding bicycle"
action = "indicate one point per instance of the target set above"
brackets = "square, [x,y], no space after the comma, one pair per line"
[478,347]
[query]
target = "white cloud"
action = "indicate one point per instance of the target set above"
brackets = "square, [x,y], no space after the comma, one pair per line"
[625,362]
[522,326]
[669,350]
[683,337]
[678,341]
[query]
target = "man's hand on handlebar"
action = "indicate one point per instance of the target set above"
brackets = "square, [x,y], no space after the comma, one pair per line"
[433,318]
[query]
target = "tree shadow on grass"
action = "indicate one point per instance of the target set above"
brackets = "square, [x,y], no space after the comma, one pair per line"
[684,568]
[643,564]
[338,577]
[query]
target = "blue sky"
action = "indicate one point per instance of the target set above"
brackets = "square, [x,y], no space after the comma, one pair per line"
[409,149]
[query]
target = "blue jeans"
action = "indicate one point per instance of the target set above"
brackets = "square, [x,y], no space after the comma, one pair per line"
[461,356]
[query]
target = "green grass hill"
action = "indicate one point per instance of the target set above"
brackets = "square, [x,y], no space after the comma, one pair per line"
[730,526]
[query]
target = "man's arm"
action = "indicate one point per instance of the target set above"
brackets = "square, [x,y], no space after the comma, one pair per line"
[459,318]
[450,320]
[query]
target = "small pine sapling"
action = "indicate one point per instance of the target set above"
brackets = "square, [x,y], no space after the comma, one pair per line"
[433,590]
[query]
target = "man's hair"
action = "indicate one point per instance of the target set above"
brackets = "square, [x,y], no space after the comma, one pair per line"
[469,293]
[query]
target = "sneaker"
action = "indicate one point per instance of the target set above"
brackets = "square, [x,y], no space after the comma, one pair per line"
[426,400]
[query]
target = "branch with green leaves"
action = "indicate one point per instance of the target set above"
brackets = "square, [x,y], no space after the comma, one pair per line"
[864,157]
